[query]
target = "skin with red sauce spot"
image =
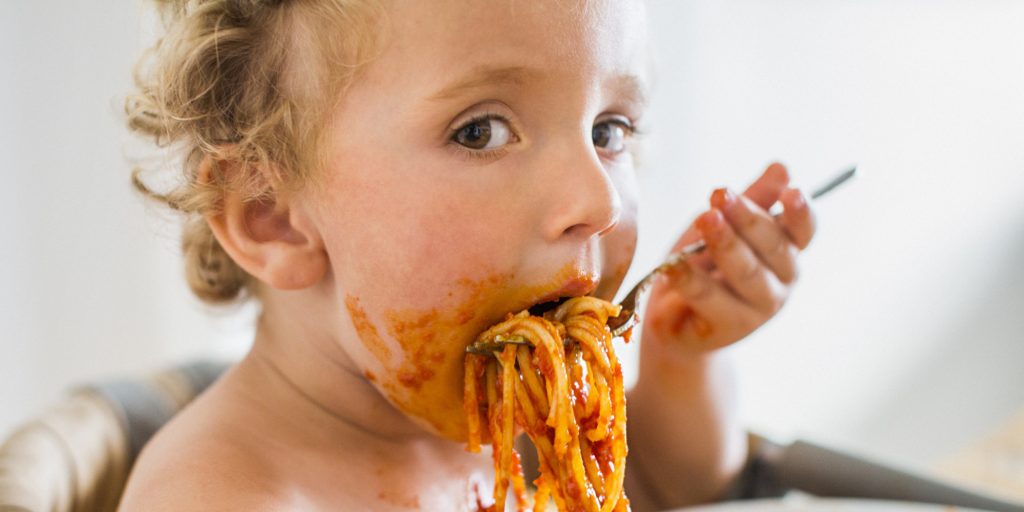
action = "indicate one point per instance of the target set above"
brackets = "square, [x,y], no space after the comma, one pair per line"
[425,380]
[366,330]
[398,500]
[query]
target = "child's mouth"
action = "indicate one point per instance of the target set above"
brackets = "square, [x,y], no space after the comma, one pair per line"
[577,286]
[543,307]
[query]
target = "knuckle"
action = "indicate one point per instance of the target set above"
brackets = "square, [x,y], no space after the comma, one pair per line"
[779,246]
[699,289]
[750,271]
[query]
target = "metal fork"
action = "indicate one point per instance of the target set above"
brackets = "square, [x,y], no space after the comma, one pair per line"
[627,317]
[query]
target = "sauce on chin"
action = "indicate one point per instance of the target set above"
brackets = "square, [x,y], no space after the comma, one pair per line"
[425,381]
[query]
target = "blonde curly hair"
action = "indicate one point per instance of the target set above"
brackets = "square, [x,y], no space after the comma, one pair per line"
[250,82]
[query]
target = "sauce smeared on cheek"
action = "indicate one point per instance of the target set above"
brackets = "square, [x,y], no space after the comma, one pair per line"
[425,380]
[366,331]
[418,341]
[428,379]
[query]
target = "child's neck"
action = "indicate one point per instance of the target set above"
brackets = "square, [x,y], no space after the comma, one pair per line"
[304,373]
[318,419]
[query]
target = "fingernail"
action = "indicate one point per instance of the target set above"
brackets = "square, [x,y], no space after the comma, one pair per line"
[778,171]
[799,202]
[722,198]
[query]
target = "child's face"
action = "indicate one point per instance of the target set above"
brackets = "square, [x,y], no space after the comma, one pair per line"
[436,228]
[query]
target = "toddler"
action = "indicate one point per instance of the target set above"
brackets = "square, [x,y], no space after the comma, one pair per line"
[388,178]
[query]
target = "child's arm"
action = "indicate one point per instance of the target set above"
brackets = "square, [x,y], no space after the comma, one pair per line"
[686,445]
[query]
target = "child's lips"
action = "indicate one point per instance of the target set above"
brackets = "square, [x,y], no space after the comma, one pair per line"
[575,287]
[571,282]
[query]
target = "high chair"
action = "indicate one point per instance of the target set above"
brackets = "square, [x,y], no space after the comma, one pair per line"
[76,456]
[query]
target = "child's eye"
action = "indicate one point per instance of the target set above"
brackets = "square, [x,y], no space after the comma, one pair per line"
[484,133]
[611,135]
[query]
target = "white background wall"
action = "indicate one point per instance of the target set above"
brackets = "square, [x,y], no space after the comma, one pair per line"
[903,339]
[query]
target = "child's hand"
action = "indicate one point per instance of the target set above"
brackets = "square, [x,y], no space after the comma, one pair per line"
[725,293]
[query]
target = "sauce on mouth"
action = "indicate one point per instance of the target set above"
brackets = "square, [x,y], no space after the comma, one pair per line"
[425,379]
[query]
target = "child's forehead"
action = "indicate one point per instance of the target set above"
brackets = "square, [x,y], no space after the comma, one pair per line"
[450,46]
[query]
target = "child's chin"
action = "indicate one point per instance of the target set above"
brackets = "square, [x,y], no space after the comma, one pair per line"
[450,428]
[435,405]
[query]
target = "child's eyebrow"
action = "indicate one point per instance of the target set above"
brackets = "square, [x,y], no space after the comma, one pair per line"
[628,86]
[483,76]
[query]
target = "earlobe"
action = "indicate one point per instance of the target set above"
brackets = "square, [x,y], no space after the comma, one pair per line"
[271,237]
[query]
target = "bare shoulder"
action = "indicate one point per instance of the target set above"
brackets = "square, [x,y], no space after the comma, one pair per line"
[172,485]
[200,462]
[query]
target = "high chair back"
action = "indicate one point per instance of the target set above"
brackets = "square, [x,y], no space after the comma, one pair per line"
[76,456]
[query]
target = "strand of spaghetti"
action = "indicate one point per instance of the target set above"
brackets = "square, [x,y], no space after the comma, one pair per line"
[518,482]
[490,384]
[503,425]
[471,400]
[586,495]
[580,306]
[543,494]
[545,338]
[533,384]
[536,428]
[600,430]
[546,341]
[577,375]
[553,460]
[586,331]
[585,469]
[538,436]
[614,486]
[592,404]
[534,425]
[525,403]
[590,464]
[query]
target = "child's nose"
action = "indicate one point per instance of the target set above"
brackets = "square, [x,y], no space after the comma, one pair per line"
[583,201]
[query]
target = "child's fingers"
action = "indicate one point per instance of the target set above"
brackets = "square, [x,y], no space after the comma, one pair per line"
[738,265]
[708,299]
[797,217]
[766,189]
[766,237]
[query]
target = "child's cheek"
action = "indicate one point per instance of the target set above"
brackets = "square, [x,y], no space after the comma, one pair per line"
[441,277]
[617,250]
[426,382]
[619,246]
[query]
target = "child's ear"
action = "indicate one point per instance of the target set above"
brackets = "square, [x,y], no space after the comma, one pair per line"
[273,238]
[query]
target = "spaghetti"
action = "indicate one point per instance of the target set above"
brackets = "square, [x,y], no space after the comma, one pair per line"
[557,378]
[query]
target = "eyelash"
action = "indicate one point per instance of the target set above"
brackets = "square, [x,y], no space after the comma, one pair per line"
[477,154]
[632,131]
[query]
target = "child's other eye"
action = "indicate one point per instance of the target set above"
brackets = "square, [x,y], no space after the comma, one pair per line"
[611,135]
[484,133]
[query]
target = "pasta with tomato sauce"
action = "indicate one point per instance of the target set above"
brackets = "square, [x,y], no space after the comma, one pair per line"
[557,378]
